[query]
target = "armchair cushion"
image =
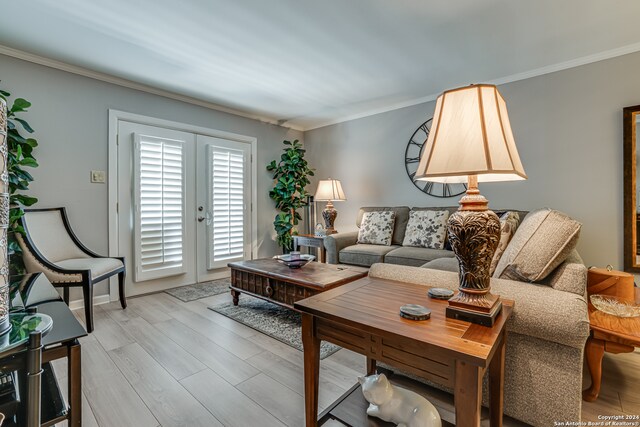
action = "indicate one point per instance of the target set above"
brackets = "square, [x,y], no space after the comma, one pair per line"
[98,266]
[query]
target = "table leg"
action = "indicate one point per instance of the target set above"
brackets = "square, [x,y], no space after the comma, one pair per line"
[371,366]
[311,345]
[594,352]
[322,254]
[236,296]
[496,384]
[74,378]
[467,394]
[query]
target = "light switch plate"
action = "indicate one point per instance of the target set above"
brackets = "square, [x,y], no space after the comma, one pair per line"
[98,177]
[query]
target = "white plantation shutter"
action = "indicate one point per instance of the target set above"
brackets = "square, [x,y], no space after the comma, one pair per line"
[159,178]
[227,192]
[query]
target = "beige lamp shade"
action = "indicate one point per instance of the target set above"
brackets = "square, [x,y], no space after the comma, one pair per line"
[329,190]
[470,135]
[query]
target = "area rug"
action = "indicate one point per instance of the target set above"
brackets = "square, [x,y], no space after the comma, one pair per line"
[271,319]
[200,290]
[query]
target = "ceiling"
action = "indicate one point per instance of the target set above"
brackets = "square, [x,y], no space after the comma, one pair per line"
[306,63]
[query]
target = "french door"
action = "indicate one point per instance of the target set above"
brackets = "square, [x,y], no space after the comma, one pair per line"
[184,203]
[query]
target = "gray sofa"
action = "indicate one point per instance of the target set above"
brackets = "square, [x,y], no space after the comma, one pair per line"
[342,248]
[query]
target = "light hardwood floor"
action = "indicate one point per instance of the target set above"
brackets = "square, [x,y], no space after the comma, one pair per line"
[162,362]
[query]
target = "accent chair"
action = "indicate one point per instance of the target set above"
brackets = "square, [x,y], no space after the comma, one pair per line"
[50,246]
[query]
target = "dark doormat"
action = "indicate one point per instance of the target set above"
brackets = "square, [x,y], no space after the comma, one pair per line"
[278,322]
[200,290]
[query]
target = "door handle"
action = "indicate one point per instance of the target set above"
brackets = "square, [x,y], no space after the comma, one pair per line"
[206,216]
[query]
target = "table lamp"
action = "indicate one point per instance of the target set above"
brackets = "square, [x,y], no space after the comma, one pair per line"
[329,190]
[471,141]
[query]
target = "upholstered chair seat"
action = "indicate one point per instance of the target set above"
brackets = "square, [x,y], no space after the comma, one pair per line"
[50,246]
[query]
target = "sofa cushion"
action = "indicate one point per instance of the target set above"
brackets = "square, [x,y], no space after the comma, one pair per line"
[402,216]
[539,311]
[444,264]
[508,225]
[415,256]
[377,228]
[450,209]
[364,255]
[426,229]
[542,242]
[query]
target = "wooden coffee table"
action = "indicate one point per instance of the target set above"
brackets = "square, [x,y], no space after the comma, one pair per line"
[363,317]
[611,334]
[272,281]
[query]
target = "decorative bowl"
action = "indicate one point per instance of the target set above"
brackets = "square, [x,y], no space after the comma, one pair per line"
[615,306]
[295,260]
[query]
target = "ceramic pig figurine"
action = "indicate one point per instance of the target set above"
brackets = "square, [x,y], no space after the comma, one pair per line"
[397,405]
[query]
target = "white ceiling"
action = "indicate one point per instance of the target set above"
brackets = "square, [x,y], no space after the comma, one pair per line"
[307,63]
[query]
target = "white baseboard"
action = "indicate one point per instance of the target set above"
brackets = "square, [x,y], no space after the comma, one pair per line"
[101,299]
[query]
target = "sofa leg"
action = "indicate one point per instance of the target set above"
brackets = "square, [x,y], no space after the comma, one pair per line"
[65,295]
[88,306]
[123,298]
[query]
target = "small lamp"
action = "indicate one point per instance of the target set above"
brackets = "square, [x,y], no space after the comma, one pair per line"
[471,141]
[329,190]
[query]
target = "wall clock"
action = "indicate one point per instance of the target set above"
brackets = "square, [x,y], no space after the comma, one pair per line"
[412,158]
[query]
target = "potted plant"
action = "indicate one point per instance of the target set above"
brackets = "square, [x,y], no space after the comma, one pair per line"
[291,176]
[19,156]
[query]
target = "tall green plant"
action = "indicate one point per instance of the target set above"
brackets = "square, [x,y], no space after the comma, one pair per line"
[291,176]
[19,156]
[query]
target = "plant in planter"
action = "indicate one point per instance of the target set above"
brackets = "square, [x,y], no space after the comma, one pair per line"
[291,176]
[19,156]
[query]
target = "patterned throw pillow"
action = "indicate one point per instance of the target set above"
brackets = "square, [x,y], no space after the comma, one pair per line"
[377,228]
[508,223]
[426,229]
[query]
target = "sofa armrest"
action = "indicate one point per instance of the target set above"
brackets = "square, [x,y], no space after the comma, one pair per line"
[570,276]
[334,243]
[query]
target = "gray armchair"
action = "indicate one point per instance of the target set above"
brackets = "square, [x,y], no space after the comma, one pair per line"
[50,246]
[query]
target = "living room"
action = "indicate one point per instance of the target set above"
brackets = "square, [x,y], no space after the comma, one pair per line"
[357,85]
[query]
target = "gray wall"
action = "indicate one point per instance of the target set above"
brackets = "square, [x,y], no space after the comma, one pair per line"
[70,116]
[568,129]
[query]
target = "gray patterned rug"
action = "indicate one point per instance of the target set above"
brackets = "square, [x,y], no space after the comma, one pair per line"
[200,290]
[271,319]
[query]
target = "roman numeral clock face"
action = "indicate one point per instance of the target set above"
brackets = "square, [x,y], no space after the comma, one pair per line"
[411,159]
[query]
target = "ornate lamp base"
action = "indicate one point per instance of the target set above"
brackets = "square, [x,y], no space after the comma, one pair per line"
[329,214]
[474,233]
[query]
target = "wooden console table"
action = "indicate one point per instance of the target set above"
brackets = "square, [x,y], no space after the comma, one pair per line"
[363,317]
[611,334]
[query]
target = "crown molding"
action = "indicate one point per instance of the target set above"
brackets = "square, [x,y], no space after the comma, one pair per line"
[52,63]
[85,72]
[608,54]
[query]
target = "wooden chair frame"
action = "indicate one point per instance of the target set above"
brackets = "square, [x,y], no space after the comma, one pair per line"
[87,282]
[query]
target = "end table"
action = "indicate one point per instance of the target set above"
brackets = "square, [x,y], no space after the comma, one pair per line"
[611,334]
[310,241]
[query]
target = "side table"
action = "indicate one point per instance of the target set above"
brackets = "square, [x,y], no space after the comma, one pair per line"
[34,291]
[611,334]
[310,241]
[362,316]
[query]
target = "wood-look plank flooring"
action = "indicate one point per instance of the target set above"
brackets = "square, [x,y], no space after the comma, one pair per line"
[163,362]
